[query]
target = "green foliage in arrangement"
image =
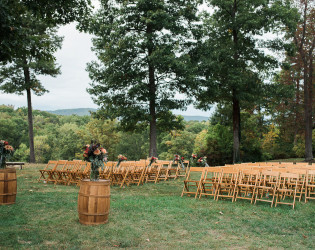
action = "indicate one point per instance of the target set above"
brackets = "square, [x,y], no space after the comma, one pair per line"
[96,155]
[6,151]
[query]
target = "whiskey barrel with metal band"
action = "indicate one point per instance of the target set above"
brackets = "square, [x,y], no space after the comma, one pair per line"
[94,202]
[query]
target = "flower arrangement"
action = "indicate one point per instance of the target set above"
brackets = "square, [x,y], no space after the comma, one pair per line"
[152,160]
[179,160]
[120,159]
[6,151]
[97,155]
[201,161]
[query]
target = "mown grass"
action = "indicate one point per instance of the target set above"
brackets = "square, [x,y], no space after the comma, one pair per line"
[150,216]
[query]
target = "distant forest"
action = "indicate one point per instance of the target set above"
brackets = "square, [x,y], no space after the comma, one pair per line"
[63,137]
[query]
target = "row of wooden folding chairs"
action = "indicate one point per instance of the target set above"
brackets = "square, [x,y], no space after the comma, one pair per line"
[65,172]
[139,172]
[126,173]
[273,185]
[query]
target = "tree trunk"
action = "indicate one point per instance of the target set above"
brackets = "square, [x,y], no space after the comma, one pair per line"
[236,103]
[307,58]
[29,113]
[152,96]
[153,134]
[308,112]
[236,128]
[296,108]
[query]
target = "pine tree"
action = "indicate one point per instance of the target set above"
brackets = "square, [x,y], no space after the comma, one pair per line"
[141,46]
[230,55]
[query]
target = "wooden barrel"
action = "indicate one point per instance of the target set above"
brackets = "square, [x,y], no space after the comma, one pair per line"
[8,186]
[94,202]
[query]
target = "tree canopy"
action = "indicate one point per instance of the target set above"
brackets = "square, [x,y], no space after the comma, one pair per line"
[231,63]
[141,47]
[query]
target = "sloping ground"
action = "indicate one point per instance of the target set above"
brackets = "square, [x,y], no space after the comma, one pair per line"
[151,216]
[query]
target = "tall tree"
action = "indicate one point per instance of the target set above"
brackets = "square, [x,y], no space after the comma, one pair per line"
[35,57]
[141,46]
[304,39]
[231,56]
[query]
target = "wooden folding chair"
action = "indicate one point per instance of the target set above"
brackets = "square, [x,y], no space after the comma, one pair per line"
[193,181]
[46,173]
[209,182]
[152,172]
[227,183]
[63,174]
[173,169]
[267,186]
[287,188]
[138,173]
[58,171]
[301,182]
[73,177]
[119,173]
[246,185]
[132,174]
[83,172]
[182,172]
[310,185]
[163,171]
[108,169]
[144,172]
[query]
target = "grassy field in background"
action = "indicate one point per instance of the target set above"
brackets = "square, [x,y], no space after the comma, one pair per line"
[151,216]
[289,160]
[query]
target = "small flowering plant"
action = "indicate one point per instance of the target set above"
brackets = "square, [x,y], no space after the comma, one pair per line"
[6,151]
[97,155]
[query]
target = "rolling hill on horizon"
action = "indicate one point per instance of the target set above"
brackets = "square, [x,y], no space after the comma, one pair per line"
[86,111]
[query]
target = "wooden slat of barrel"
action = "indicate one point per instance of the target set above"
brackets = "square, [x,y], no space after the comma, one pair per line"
[94,202]
[8,186]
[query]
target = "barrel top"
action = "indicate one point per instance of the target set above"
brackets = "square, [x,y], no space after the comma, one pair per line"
[8,170]
[99,182]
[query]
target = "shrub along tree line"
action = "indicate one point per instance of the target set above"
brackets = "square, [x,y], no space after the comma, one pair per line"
[62,137]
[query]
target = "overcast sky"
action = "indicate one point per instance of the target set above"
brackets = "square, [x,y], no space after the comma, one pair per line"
[68,90]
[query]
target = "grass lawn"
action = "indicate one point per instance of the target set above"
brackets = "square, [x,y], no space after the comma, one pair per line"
[150,216]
